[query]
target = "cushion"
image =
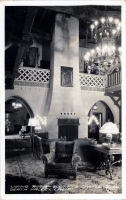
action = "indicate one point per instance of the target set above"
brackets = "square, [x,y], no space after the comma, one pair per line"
[63,151]
[60,166]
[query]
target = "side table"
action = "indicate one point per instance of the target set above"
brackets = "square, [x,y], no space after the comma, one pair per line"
[109,154]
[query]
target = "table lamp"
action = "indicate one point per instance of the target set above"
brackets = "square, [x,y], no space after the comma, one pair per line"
[107,129]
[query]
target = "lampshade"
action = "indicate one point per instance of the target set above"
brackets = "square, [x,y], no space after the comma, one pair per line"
[34,122]
[109,127]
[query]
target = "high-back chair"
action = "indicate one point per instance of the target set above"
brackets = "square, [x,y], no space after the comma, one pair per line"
[64,160]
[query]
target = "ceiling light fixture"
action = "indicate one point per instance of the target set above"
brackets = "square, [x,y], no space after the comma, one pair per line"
[105,32]
[17,105]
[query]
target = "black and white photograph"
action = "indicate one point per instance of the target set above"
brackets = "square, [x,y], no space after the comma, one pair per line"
[62,102]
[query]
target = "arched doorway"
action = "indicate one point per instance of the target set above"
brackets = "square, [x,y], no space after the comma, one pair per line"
[97,116]
[17,114]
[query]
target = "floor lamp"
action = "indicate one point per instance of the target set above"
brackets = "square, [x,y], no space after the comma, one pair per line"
[33,122]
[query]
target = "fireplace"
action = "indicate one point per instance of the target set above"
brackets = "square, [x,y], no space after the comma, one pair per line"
[68,128]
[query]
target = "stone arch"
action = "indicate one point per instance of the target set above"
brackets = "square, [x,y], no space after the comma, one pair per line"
[107,105]
[112,110]
[24,103]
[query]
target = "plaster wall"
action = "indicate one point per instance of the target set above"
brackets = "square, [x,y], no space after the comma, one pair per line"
[92,97]
[65,52]
[35,97]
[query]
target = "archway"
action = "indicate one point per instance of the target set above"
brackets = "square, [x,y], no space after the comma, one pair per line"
[15,117]
[97,116]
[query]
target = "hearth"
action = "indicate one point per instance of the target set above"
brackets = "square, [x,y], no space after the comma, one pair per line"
[68,129]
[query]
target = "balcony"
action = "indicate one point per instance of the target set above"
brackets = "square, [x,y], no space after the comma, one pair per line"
[113,82]
[110,84]
[40,78]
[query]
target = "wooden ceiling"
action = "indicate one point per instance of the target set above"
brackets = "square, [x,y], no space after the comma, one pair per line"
[22,23]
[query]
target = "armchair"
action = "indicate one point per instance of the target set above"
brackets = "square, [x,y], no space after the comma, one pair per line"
[41,146]
[64,159]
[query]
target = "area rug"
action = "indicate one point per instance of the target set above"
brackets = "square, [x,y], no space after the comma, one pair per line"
[24,164]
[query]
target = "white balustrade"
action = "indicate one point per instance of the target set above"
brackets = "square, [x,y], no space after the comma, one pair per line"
[40,78]
[114,78]
[33,77]
[92,82]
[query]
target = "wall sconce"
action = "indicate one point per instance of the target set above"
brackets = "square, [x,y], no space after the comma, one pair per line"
[95,107]
[93,118]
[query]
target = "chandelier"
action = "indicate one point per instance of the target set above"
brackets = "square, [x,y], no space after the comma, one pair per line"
[105,32]
[17,105]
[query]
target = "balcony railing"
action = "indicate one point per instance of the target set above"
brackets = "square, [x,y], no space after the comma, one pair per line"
[114,78]
[33,77]
[40,78]
[92,82]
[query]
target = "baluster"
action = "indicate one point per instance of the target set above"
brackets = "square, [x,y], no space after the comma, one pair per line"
[116,79]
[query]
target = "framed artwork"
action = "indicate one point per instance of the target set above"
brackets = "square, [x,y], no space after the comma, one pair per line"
[66,76]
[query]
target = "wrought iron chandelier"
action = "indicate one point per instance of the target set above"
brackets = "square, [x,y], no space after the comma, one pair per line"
[105,32]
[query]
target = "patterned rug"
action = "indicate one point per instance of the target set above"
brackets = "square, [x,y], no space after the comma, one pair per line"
[22,164]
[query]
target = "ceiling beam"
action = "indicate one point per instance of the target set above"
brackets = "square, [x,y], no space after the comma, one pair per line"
[31,13]
[113,94]
[29,23]
[86,13]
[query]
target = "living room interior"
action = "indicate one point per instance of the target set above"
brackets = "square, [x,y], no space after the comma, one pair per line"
[63,91]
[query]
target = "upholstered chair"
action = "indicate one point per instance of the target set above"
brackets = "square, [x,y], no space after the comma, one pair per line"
[63,160]
[41,146]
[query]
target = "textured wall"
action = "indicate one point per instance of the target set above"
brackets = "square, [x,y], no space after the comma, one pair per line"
[65,52]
